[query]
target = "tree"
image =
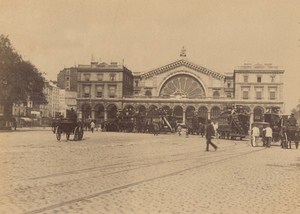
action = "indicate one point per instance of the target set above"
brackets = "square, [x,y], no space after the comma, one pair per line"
[19,80]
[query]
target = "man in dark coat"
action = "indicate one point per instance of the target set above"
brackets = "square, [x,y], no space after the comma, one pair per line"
[210,132]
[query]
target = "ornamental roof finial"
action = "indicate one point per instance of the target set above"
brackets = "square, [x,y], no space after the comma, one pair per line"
[183,52]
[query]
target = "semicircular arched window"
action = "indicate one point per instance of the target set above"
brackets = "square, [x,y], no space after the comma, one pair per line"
[182,85]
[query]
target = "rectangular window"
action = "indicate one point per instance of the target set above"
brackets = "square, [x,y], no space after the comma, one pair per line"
[258,95]
[272,95]
[112,77]
[112,91]
[99,90]
[259,79]
[228,85]
[245,78]
[87,77]
[245,94]
[86,91]
[100,77]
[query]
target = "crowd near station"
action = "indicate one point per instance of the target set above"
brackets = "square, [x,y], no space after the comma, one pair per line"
[232,124]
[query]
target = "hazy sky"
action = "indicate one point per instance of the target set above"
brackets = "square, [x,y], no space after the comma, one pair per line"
[218,35]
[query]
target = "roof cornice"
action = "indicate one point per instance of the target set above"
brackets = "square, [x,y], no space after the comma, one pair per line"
[182,62]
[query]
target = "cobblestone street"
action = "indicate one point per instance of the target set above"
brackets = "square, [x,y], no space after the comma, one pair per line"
[141,173]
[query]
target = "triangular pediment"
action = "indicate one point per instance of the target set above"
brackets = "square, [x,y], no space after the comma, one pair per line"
[179,63]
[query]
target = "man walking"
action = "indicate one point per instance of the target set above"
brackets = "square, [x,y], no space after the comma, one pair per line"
[210,132]
[255,135]
[92,126]
[268,136]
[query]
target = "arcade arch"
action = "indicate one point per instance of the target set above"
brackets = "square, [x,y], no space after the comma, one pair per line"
[215,112]
[86,111]
[258,114]
[99,113]
[178,113]
[112,112]
[203,112]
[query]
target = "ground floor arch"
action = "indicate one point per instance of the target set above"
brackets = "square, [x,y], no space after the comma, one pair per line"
[258,114]
[215,112]
[174,110]
[99,113]
[112,112]
[86,112]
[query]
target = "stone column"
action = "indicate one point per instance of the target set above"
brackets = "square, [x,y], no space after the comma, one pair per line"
[183,117]
[93,114]
[251,121]
[105,114]
[208,115]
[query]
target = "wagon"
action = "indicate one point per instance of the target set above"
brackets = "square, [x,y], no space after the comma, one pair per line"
[69,127]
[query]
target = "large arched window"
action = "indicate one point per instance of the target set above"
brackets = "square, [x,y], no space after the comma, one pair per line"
[182,85]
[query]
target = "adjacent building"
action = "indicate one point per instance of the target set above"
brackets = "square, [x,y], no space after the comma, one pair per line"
[67,79]
[98,86]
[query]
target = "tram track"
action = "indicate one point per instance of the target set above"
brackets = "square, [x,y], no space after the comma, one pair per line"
[210,162]
[136,164]
[117,165]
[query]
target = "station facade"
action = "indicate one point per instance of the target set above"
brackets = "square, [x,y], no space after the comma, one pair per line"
[181,87]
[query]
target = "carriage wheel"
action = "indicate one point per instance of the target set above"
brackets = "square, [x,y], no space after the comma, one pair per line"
[80,133]
[58,133]
[284,141]
[76,133]
[53,129]
[68,135]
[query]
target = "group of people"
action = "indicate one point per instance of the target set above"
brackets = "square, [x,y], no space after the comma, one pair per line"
[267,132]
[267,136]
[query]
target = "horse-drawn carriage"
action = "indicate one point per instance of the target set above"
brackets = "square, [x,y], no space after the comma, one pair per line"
[284,128]
[68,127]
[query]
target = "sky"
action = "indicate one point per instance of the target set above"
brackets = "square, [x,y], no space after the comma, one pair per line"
[146,34]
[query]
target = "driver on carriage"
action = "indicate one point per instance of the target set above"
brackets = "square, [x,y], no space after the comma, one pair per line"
[292,121]
[72,115]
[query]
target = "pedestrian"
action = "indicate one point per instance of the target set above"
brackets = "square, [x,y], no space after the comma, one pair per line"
[255,135]
[155,128]
[268,136]
[216,126]
[292,121]
[92,125]
[202,129]
[179,129]
[210,132]
[15,124]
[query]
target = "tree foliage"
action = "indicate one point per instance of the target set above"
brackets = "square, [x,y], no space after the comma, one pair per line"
[20,80]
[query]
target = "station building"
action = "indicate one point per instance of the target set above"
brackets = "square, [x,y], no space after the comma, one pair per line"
[181,87]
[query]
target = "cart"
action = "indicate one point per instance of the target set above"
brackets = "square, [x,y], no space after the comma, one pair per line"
[69,127]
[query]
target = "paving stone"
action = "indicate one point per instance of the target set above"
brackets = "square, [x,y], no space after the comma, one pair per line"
[140,173]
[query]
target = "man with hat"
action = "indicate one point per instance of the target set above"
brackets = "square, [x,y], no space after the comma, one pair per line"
[210,132]
[292,121]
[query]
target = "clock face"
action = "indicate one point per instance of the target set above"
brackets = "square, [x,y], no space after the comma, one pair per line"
[182,85]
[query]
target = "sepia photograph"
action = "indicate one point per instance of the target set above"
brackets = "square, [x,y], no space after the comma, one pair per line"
[149,106]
